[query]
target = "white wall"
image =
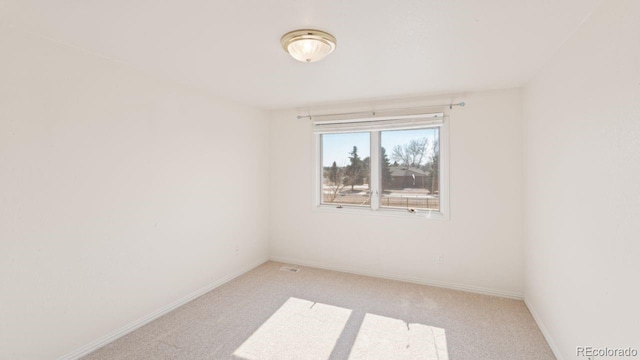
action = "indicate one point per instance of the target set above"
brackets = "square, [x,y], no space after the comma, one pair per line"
[119,194]
[583,185]
[481,244]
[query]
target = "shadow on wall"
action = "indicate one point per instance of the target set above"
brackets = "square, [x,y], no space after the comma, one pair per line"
[302,329]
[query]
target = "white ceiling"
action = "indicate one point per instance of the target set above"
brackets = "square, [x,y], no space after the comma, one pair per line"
[386,48]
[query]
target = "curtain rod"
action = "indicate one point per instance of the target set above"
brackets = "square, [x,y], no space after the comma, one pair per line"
[373,113]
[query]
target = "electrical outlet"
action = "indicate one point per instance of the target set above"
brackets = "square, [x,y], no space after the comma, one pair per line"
[440,259]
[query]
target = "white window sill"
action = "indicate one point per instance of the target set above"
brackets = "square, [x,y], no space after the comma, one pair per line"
[398,213]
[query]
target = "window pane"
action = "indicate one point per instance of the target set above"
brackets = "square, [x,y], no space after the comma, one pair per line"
[410,169]
[345,169]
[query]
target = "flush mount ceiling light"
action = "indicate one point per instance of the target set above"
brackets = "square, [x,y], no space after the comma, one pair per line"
[308,45]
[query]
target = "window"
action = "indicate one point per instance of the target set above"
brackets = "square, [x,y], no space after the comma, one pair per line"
[346,169]
[410,169]
[393,165]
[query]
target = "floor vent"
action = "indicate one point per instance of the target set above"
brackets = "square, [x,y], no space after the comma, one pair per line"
[289,269]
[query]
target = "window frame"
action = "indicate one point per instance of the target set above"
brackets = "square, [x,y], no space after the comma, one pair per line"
[375,209]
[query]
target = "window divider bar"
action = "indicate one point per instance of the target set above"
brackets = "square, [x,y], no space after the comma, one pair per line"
[374,166]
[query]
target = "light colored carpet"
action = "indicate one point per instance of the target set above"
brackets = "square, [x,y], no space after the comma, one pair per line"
[321,314]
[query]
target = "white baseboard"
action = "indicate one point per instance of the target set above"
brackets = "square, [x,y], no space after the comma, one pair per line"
[442,284]
[114,335]
[545,332]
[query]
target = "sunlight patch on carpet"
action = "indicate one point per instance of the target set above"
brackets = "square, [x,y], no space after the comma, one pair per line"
[386,338]
[299,330]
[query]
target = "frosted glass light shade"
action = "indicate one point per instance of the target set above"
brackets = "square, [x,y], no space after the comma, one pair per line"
[309,50]
[308,45]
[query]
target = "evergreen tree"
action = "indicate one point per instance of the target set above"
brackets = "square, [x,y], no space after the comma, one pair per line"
[385,169]
[366,172]
[333,173]
[354,174]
